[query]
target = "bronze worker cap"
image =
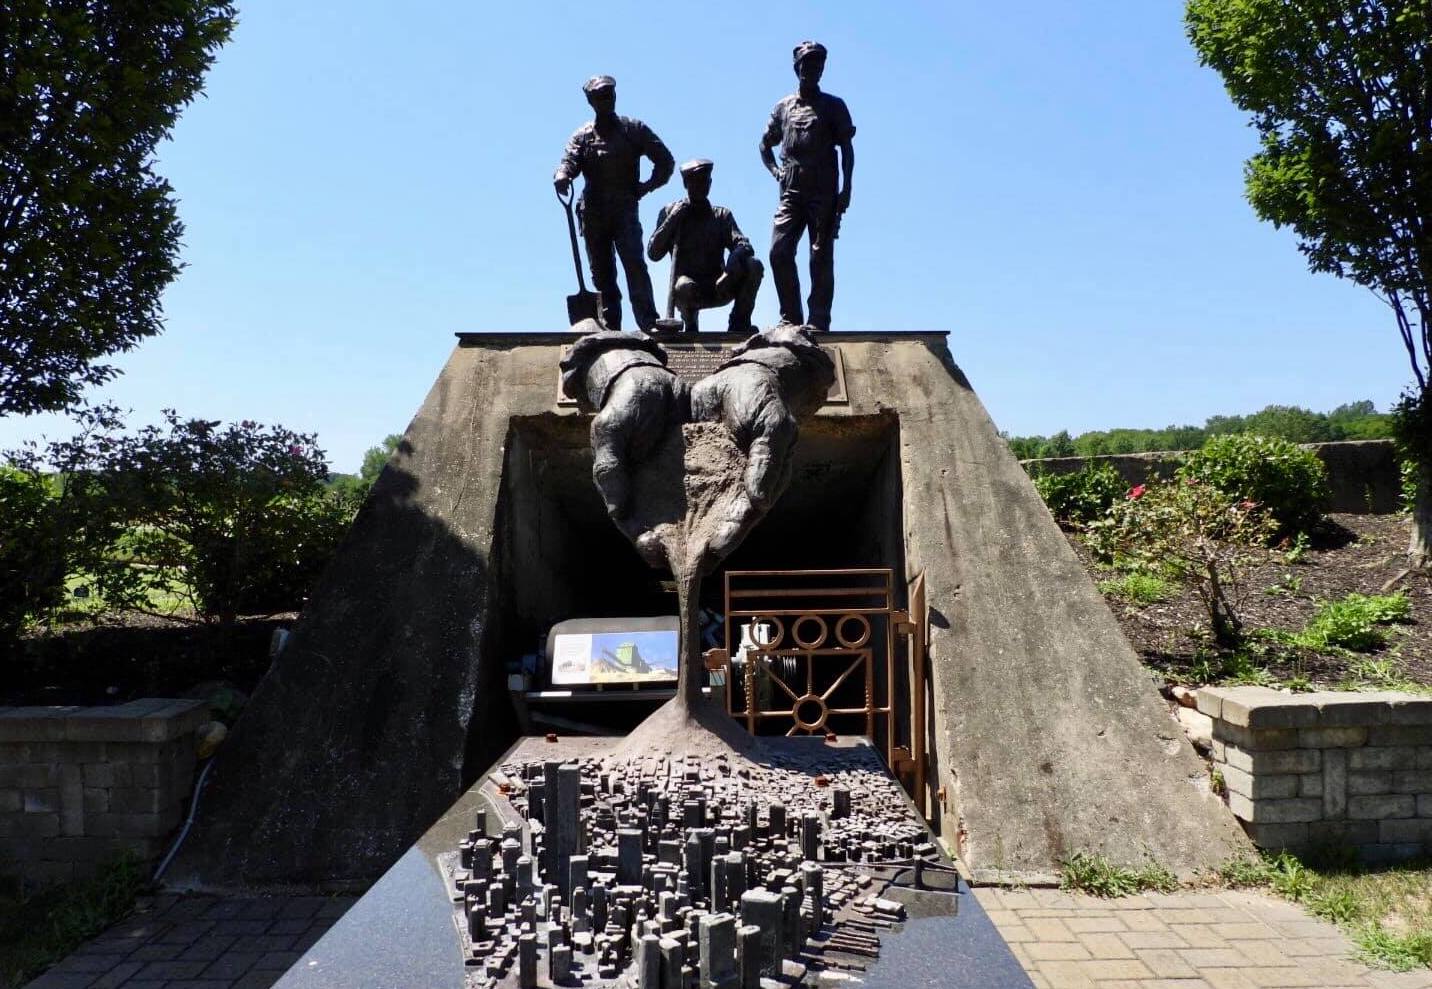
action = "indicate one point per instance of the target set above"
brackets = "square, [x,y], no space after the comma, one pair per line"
[599,82]
[696,166]
[807,48]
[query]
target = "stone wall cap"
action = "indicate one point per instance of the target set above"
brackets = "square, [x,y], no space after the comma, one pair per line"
[1264,707]
[148,719]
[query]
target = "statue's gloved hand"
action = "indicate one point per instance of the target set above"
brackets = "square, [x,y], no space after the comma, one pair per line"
[643,404]
[775,378]
[622,378]
[746,398]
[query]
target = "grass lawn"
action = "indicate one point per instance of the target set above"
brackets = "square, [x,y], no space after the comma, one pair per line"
[1387,911]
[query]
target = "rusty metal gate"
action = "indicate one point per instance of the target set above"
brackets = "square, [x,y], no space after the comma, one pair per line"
[814,651]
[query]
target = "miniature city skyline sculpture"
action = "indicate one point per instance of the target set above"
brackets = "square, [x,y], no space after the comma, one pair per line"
[684,873]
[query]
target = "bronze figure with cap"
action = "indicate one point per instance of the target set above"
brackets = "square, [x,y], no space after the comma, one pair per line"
[810,126]
[712,261]
[607,153]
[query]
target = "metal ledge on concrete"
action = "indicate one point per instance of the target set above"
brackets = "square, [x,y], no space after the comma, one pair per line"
[542,338]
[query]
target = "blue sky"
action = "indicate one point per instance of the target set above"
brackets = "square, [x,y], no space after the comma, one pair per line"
[1058,185]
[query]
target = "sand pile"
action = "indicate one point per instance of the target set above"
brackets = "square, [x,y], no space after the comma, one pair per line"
[692,511]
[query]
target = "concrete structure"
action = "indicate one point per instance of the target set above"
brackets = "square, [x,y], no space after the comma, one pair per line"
[79,785]
[1326,769]
[1045,735]
[1363,475]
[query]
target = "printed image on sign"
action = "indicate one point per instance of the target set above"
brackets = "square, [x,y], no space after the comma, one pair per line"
[614,657]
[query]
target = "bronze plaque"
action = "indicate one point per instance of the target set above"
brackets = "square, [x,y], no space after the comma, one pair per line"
[693,361]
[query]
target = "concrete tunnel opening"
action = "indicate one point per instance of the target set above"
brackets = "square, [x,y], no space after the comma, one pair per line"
[559,557]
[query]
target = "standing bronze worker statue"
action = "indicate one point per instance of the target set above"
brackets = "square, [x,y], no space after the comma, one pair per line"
[607,153]
[809,126]
[712,261]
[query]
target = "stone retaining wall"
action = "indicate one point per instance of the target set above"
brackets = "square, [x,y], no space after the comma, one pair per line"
[1362,474]
[1348,770]
[81,784]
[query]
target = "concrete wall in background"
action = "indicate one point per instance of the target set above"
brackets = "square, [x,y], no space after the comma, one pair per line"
[1349,770]
[1362,474]
[79,785]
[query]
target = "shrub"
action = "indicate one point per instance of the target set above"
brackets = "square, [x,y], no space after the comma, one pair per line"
[236,519]
[1077,499]
[197,517]
[1286,481]
[1407,486]
[1355,622]
[32,550]
[1192,533]
[53,515]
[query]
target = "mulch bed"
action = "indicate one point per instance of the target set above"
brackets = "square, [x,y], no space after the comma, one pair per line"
[1360,553]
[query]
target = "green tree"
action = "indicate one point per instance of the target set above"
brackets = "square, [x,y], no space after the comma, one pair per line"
[1290,423]
[376,458]
[1024,447]
[1340,92]
[1359,421]
[1058,445]
[89,235]
[354,487]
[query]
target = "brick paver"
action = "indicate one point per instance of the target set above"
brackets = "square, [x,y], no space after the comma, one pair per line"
[1227,940]
[218,942]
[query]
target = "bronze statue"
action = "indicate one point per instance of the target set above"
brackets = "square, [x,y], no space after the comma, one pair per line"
[607,152]
[686,474]
[712,261]
[809,126]
[624,380]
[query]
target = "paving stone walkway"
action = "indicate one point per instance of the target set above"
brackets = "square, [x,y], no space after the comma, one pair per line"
[1186,940]
[1218,940]
[199,942]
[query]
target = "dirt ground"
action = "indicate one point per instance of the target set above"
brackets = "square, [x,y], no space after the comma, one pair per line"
[1361,553]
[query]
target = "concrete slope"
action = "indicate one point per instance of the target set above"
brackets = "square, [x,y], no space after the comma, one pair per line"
[1049,737]
[356,739]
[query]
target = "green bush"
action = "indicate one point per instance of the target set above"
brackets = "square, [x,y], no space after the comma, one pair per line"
[1284,480]
[234,520]
[1355,622]
[190,520]
[1079,498]
[54,514]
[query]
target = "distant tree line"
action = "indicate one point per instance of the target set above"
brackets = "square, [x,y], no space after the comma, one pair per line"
[1352,421]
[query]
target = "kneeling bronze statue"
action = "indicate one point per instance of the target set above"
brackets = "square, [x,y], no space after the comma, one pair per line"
[712,261]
